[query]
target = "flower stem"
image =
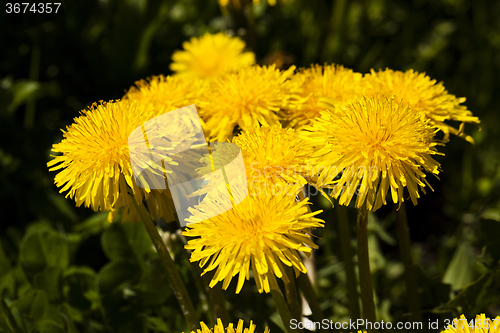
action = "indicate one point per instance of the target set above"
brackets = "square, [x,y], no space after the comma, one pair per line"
[180,290]
[251,26]
[405,251]
[347,255]
[310,296]
[365,276]
[283,310]
[218,301]
[291,294]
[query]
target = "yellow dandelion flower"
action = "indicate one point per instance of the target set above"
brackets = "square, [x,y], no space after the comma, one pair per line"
[423,95]
[219,328]
[480,325]
[274,156]
[95,165]
[337,83]
[169,93]
[262,231]
[249,98]
[211,56]
[371,145]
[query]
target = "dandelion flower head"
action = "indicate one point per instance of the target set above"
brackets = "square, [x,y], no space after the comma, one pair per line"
[210,56]
[337,83]
[370,146]
[274,156]
[168,93]
[262,231]
[219,328]
[94,163]
[423,95]
[249,98]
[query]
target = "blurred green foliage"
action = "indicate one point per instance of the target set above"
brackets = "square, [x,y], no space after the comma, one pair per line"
[64,269]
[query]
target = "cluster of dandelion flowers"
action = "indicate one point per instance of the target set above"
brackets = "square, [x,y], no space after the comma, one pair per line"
[423,95]
[481,324]
[248,98]
[95,165]
[211,56]
[337,83]
[219,328]
[274,157]
[262,231]
[369,146]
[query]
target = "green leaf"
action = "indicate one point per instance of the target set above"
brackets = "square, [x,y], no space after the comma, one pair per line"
[490,229]
[157,324]
[113,275]
[79,282]
[70,326]
[42,248]
[34,304]
[459,271]
[375,226]
[469,295]
[93,225]
[26,90]
[63,205]
[50,327]
[49,281]
[431,289]
[154,287]
[127,241]
[114,283]
[7,280]
[491,214]
[8,318]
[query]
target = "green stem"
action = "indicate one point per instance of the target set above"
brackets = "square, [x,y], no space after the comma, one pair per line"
[365,276]
[405,251]
[310,295]
[307,288]
[202,285]
[251,27]
[214,295]
[180,290]
[347,255]
[219,302]
[283,310]
[291,294]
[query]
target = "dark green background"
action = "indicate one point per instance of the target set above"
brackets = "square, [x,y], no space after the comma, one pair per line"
[96,50]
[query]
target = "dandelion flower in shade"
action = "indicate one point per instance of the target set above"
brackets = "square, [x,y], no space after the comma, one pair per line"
[219,328]
[167,93]
[423,95]
[337,83]
[371,145]
[94,163]
[248,98]
[480,325]
[274,156]
[262,231]
[211,56]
